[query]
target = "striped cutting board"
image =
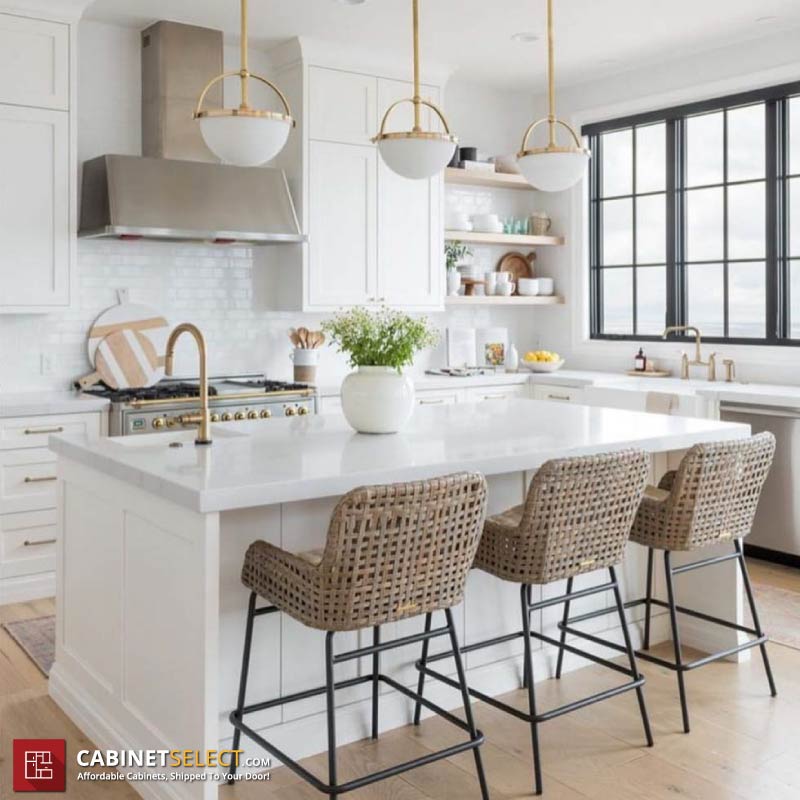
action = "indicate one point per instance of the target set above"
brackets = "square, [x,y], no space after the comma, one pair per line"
[125,359]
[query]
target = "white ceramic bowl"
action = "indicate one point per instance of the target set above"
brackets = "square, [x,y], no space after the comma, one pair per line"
[546,286]
[485,220]
[528,287]
[542,366]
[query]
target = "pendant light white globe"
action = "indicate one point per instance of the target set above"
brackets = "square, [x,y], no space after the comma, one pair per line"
[553,171]
[244,136]
[555,167]
[244,140]
[416,154]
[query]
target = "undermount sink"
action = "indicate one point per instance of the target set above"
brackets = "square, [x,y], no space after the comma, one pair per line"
[165,440]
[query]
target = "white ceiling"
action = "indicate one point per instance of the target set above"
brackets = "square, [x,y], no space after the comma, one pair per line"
[473,37]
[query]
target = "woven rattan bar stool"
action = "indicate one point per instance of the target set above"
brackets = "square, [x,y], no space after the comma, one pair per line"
[392,552]
[710,498]
[576,519]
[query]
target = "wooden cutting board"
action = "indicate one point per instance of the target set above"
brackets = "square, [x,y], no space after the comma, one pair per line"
[127,316]
[519,265]
[125,359]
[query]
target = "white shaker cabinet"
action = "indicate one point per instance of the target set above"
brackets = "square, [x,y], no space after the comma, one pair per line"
[36,162]
[342,106]
[342,255]
[34,208]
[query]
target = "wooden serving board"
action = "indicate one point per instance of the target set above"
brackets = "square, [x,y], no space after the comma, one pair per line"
[519,265]
[127,316]
[656,373]
[125,359]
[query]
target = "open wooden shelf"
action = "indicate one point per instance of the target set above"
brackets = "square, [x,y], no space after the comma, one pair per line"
[494,300]
[474,237]
[493,180]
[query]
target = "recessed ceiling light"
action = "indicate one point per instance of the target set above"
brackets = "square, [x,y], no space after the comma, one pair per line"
[526,37]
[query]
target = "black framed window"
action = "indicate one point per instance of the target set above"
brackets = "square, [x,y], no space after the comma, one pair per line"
[695,219]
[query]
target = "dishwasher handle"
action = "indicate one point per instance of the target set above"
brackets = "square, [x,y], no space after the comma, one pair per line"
[760,411]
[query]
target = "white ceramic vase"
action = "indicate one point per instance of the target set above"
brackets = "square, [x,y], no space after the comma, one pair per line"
[377,399]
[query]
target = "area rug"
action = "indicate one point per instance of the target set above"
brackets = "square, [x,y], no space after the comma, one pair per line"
[779,611]
[37,637]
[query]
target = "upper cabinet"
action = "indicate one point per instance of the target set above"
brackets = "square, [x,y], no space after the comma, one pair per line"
[375,238]
[36,164]
[34,62]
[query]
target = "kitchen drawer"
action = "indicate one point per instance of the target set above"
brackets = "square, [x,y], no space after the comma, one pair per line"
[507,392]
[27,543]
[25,432]
[27,480]
[436,398]
[557,394]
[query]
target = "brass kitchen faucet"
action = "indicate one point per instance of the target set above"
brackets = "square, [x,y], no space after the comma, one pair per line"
[698,358]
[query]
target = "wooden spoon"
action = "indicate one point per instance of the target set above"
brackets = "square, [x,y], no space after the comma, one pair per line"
[303,334]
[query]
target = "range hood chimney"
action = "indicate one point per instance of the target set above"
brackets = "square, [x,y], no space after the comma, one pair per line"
[177,190]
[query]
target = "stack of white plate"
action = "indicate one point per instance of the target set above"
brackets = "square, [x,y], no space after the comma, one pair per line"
[487,223]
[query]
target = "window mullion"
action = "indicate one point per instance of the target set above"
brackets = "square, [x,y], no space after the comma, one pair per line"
[673,156]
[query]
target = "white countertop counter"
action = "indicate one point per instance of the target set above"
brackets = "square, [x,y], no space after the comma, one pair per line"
[321,456]
[33,404]
[431,383]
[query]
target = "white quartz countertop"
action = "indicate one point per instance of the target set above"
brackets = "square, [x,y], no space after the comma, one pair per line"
[32,404]
[321,456]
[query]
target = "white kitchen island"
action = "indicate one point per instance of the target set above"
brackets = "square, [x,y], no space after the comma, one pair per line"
[150,609]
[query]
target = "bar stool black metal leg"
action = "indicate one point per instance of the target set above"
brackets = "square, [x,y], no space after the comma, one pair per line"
[423,661]
[631,656]
[756,622]
[565,622]
[376,670]
[528,670]
[462,680]
[648,599]
[248,641]
[331,710]
[676,641]
[529,594]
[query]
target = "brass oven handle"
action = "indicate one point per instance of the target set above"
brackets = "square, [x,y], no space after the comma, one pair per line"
[43,479]
[29,543]
[39,431]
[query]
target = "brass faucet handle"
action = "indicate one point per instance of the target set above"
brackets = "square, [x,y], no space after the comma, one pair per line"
[730,370]
[712,367]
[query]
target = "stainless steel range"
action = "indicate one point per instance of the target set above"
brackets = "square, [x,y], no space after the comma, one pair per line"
[168,405]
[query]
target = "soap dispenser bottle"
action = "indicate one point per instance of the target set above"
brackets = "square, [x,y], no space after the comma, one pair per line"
[640,362]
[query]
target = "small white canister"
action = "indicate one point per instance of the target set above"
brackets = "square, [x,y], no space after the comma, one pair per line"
[305,362]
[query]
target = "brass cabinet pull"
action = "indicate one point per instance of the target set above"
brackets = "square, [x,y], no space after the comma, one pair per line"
[29,543]
[43,479]
[431,402]
[495,397]
[558,397]
[40,431]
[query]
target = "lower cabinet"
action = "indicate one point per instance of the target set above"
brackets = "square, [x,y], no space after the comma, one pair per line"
[28,501]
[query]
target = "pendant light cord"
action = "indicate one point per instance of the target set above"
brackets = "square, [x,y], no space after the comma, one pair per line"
[417,98]
[245,70]
[551,77]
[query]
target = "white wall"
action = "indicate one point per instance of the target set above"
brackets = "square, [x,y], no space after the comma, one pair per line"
[213,286]
[759,63]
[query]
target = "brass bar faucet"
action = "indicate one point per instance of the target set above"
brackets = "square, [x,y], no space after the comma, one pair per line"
[711,364]
[203,419]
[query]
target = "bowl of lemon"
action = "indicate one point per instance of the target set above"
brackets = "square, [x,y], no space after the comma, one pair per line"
[542,361]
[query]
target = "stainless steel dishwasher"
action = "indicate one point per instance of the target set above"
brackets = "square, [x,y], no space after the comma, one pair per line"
[777,522]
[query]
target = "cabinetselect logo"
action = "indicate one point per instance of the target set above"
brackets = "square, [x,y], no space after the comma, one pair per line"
[40,765]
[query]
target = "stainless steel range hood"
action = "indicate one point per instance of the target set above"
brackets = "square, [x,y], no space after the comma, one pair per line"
[160,198]
[177,190]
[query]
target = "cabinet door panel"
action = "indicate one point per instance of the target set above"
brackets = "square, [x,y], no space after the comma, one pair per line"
[342,250]
[34,208]
[342,106]
[34,62]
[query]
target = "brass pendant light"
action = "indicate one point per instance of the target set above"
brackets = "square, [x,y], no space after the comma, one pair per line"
[416,153]
[244,136]
[555,167]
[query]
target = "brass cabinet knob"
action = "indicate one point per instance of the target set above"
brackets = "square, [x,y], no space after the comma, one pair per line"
[226,417]
[159,422]
[290,412]
[239,415]
[252,415]
[265,414]
[302,411]
[215,417]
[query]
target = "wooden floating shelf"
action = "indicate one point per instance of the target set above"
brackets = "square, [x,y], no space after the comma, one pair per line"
[474,237]
[495,300]
[493,180]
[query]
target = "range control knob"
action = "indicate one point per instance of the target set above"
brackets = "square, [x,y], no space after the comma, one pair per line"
[302,411]
[227,417]
[215,417]
[290,411]
[239,415]
[159,422]
[252,415]
[265,414]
